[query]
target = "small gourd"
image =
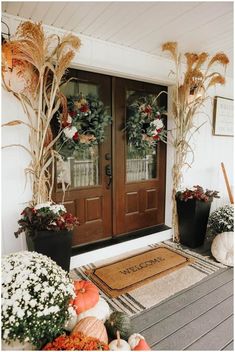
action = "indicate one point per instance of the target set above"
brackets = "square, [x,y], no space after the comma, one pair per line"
[101,311]
[119,321]
[119,344]
[137,343]
[90,326]
[87,295]
[72,321]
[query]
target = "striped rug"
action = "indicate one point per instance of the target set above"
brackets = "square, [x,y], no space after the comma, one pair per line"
[157,291]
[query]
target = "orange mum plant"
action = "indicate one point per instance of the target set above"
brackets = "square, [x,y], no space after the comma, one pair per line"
[189,94]
[33,67]
[78,342]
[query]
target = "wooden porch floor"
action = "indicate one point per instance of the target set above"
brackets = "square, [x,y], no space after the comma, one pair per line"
[198,318]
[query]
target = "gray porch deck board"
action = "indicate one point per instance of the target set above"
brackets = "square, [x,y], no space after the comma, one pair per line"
[216,338]
[229,347]
[198,318]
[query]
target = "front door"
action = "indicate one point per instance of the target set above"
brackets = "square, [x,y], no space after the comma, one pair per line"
[139,176]
[110,189]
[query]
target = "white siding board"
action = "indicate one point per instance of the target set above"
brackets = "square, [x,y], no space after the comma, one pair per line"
[91,28]
[122,19]
[13,7]
[27,9]
[187,24]
[64,16]
[53,12]
[4,6]
[197,39]
[40,12]
[88,15]
[167,19]
[137,25]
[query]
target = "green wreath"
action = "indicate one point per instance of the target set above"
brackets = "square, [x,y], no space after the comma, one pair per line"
[85,125]
[144,124]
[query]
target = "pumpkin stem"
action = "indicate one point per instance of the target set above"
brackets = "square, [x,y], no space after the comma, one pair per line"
[118,339]
[82,290]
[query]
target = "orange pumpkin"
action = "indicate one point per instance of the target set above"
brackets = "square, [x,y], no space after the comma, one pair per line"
[92,327]
[87,295]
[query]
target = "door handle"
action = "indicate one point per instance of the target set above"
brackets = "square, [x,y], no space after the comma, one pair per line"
[108,172]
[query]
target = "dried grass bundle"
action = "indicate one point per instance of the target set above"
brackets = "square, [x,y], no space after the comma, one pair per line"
[40,63]
[189,94]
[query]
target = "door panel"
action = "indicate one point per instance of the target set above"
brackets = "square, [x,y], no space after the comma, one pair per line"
[88,195]
[139,180]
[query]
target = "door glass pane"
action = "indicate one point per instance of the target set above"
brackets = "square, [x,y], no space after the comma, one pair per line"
[80,171]
[141,163]
[80,167]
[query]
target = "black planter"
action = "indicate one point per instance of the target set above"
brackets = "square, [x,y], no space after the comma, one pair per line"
[56,245]
[192,218]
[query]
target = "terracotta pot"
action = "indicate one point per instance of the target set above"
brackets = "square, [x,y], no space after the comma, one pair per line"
[54,244]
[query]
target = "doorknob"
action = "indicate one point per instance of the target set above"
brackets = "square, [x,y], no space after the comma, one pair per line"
[108,156]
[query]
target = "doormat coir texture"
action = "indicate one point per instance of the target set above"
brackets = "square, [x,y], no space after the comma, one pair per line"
[158,290]
[127,274]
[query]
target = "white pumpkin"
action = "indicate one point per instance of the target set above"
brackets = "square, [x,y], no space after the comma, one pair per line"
[222,248]
[72,321]
[119,344]
[100,311]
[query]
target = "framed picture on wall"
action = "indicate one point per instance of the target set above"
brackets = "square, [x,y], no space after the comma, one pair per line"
[223,117]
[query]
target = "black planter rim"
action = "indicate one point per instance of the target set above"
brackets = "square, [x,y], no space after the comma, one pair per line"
[191,200]
[48,233]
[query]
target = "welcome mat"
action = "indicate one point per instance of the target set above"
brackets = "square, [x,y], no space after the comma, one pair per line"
[127,274]
[156,291]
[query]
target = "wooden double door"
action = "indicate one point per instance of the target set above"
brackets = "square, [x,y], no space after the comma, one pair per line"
[111,190]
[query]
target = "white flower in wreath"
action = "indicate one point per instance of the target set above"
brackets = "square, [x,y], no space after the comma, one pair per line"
[157,124]
[70,132]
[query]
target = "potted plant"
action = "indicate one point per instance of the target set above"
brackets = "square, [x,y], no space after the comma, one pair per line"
[194,77]
[193,208]
[221,220]
[35,298]
[48,228]
[33,69]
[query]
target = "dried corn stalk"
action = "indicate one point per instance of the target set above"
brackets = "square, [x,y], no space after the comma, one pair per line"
[33,73]
[189,94]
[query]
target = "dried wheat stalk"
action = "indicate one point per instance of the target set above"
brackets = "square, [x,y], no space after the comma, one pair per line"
[39,62]
[197,79]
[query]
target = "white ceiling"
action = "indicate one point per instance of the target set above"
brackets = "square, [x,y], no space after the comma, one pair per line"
[196,26]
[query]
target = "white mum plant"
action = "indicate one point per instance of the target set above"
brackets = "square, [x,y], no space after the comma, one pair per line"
[221,220]
[35,298]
